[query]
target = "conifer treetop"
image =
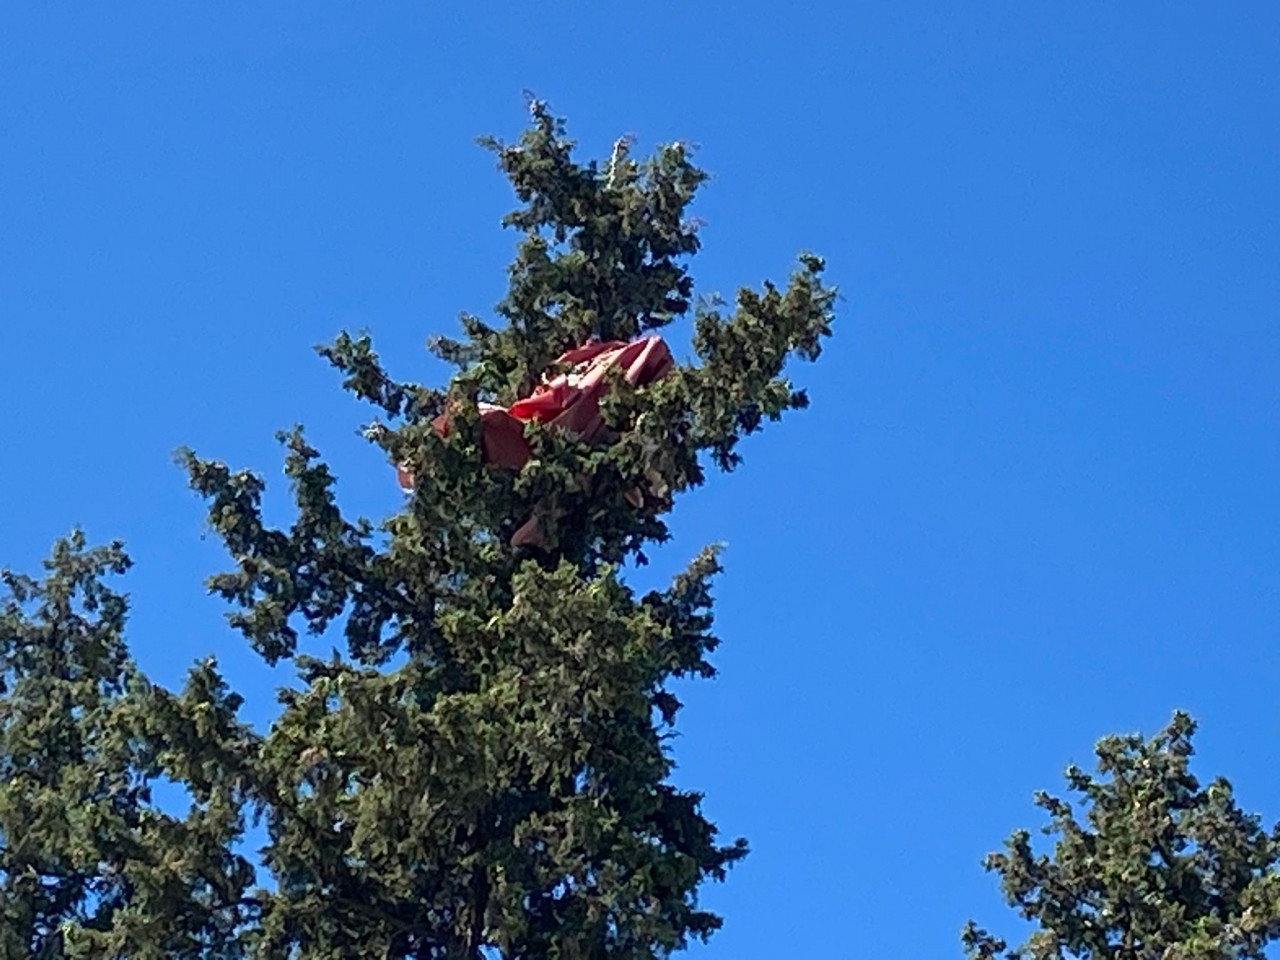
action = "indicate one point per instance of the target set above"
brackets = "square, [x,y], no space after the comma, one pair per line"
[483,770]
[1150,866]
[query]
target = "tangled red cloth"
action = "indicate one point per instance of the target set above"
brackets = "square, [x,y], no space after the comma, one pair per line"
[570,401]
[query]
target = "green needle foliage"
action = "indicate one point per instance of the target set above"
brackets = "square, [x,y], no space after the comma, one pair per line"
[483,771]
[89,866]
[1159,868]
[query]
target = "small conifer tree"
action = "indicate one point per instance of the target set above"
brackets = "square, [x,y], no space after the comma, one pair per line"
[1153,866]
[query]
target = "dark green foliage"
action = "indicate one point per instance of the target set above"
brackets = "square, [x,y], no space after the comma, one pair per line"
[85,856]
[504,785]
[1158,869]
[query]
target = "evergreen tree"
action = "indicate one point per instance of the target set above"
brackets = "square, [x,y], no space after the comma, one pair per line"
[1159,868]
[500,787]
[84,852]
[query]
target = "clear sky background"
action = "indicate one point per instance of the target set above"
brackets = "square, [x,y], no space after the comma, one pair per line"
[1034,500]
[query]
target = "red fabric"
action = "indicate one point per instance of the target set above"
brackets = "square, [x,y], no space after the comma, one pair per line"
[570,401]
[501,440]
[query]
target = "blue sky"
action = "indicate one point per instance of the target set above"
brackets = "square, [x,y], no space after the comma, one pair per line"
[1034,500]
